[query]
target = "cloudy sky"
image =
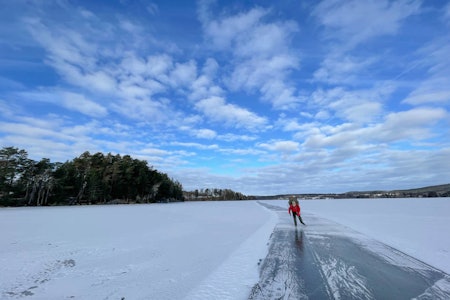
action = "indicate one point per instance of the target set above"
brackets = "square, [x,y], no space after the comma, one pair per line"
[262,97]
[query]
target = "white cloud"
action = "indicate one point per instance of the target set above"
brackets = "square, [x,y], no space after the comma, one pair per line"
[74,56]
[337,68]
[31,127]
[224,32]
[148,110]
[210,67]
[349,24]
[356,21]
[246,151]
[62,140]
[136,65]
[195,145]
[436,87]
[205,133]
[322,115]
[362,106]
[280,146]
[364,112]
[261,55]
[204,86]
[183,74]
[413,125]
[290,124]
[7,109]
[64,44]
[152,8]
[101,81]
[70,100]
[435,90]
[77,102]
[217,110]
[268,76]
[447,12]
[127,80]
[231,137]
[409,125]
[158,66]
[153,152]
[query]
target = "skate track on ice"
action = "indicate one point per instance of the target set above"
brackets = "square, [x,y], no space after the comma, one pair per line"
[326,260]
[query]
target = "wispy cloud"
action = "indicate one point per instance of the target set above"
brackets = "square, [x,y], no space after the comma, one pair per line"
[447,12]
[196,145]
[353,22]
[436,87]
[260,52]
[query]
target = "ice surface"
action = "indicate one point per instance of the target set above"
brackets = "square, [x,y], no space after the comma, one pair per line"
[415,226]
[185,250]
[158,251]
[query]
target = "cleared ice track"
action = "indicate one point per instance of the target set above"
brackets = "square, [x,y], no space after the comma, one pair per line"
[326,260]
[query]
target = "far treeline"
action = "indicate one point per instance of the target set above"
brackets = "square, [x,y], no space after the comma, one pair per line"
[88,179]
[442,190]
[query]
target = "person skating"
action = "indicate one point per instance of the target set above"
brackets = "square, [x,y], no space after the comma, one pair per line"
[294,207]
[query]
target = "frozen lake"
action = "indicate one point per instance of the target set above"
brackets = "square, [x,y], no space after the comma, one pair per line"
[185,250]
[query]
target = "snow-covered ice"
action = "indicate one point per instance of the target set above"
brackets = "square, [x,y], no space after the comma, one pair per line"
[415,226]
[196,250]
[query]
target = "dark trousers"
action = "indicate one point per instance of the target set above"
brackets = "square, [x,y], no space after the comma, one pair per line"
[299,218]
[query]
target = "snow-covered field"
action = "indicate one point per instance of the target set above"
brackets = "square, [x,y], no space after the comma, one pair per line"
[198,250]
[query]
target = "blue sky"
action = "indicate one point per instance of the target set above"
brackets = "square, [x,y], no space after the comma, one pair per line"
[262,97]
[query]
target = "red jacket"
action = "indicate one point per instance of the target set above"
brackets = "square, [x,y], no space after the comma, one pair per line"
[295,209]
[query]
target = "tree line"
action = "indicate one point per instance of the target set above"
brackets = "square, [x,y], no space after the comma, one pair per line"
[87,179]
[215,194]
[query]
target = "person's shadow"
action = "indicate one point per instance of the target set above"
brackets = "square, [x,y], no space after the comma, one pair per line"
[299,240]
